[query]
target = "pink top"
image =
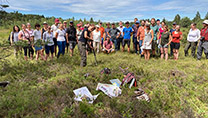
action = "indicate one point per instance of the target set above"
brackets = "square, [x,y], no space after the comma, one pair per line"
[108,45]
[161,31]
[24,35]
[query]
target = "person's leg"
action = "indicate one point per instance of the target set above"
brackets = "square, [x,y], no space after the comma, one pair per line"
[59,48]
[199,50]
[145,54]
[118,43]
[140,45]
[82,48]
[166,53]
[71,48]
[162,52]
[47,52]
[205,47]
[188,45]
[63,47]
[134,44]
[174,53]
[177,54]
[98,46]
[25,52]
[37,54]
[171,48]
[31,52]
[123,45]
[193,48]
[153,48]
[128,44]
[148,54]
[52,51]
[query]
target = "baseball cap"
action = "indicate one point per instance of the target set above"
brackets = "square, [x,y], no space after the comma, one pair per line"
[45,23]
[158,19]
[137,22]
[78,25]
[174,23]
[205,22]
[56,20]
[65,21]
[127,22]
[71,22]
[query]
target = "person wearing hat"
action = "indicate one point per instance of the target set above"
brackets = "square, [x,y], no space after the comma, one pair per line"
[158,23]
[120,39]
[71,38]
[96,36]
[155,29]
[54,28]
[106,30]
[192,40]
[147,42]
[203,44]
[102,31]
[114,34]
[127,33]
[171,44]
[44,29]
[79,31]
[135,30]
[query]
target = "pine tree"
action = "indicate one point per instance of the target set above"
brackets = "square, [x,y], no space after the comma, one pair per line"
[91,20]
[206,17]
[197,17]
[177,19]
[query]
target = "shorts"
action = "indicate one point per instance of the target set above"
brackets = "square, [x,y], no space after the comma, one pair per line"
[154,44]
[49,49]
[72,44]
[55,41]
[175,45]
[104,50]
[38,48]
[126,41]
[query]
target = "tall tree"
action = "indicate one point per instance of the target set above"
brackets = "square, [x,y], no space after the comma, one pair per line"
[91,20]
[185,22]
[197,17]
[206,17]
[177,19]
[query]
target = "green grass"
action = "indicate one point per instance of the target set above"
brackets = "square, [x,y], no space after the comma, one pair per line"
[177,89]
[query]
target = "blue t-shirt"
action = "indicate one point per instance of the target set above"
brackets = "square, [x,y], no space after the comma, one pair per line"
[172,30]
[127,32]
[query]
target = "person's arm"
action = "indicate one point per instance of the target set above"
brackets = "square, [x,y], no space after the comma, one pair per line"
[56,35]
[170,39]
[11,37]
[109,34]
[41,33]
[198,35]
[181,36]
[158,35]
[85,35]
[152,36]
[20,36]
[118,34]
[67,37]
[138,34]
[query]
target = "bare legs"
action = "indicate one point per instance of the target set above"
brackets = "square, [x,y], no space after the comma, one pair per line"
[164,50]
[146,54]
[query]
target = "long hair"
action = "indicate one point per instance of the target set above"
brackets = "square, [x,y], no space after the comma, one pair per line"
[14,28]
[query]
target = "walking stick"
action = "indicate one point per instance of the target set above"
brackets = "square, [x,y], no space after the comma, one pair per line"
[93,53]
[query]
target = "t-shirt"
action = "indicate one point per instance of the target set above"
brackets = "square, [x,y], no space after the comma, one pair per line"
[48,38]
[79,33]
[113,33]
[135,30]
[172,30]
[141,32]
[25,35]
[37,35]
[204,34]
[127,33]
[121,30]
[30,31]
[108,45]
[165,38]
[106,30]
[14,36]
[176,37]
[82,38]
[61,35]
[71,31]
[54,28]
[155,31]
[96,36]
[102,30]
[193,35]
[161,31]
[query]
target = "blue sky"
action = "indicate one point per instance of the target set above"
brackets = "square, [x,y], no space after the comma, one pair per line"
[111,10]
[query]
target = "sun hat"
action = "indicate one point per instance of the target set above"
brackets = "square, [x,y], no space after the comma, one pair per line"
[97,26]
[174,23]
[205,22]
[45,23]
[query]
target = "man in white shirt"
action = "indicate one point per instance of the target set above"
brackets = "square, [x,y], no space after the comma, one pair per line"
[120,39]
[54,28]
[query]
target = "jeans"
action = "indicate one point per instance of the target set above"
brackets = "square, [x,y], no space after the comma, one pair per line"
[135,44]
[115,41]
[61,47]
[119,41]
[140,45]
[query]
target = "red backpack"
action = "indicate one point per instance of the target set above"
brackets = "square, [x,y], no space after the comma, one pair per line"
[130,78]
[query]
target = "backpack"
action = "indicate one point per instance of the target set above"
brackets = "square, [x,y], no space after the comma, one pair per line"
[130,78]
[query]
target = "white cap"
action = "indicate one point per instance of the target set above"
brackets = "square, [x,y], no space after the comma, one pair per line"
[205,22]
[97,26]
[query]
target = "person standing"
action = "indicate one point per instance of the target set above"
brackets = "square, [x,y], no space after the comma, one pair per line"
[14,39]
[71,37]
[147,42]
[135,41]
[120,39]
[79,31]
[134,26]
[65,28]
[171,31]
[177,36]
[158,23]
[141,35]
[114,33]
[165,41]
[61,41]
[30,30]
[107,30]
[155,29]
[83,42]
[102,31]
[54,28]
[49,44]
[192,40]
[36,36]
[127,33]
[25,36]
[203,44]
[96,34]
[44,29]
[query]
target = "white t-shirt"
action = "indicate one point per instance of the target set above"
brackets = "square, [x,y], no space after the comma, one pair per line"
[30,31]
[193,35]
[96,36]
[79,33]
[54,28]
[15,36]
[61,35]
[121,30]
[48,38]
[37,35]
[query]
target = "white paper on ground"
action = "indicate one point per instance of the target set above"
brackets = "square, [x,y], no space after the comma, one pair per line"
[109,89]
[116,82]
[84,93]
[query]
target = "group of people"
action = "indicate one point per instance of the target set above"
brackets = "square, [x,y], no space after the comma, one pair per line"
[147,38]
